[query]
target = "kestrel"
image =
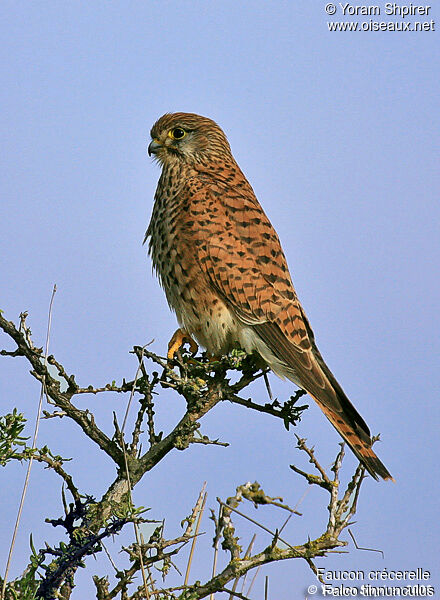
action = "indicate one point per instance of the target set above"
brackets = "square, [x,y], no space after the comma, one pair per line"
[224,272]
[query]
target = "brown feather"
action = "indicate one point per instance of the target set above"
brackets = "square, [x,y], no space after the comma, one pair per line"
[225,273]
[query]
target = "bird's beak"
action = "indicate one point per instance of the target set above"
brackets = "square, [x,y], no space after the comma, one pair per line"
[153,147]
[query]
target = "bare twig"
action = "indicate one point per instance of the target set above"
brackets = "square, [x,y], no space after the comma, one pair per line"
[61,399]
[218,529]
[233,593]
[361,548]
[54,464]
[311,454]
[127,472]
[273,533]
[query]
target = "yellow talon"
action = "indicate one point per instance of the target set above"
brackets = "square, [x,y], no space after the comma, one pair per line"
[180,337]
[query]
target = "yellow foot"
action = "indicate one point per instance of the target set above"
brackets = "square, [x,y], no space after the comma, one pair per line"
[180,337]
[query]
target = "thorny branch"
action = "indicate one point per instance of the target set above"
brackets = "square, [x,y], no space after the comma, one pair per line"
[53,462]
[61,399]
[202,384]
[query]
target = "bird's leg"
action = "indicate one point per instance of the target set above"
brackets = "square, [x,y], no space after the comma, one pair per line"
[180,337]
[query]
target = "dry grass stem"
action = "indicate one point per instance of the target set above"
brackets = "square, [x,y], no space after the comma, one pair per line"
[27,334]
[193,544]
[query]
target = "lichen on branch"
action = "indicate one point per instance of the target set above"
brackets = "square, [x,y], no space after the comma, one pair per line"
[88,522]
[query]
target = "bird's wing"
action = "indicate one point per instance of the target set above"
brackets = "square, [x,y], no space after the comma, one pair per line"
[241,254]
[242,257]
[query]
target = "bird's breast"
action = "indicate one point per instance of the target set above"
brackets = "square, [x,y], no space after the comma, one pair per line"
[174,252]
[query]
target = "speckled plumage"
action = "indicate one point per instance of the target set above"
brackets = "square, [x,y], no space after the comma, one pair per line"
[224,273]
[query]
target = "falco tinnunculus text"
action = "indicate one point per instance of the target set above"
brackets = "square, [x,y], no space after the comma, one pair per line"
[225,275]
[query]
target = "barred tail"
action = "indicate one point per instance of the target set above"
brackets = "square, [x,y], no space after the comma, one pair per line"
[358,441]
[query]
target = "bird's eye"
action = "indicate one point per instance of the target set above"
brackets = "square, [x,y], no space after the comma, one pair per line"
[177,133]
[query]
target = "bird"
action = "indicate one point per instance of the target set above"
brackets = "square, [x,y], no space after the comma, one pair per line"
[225,275]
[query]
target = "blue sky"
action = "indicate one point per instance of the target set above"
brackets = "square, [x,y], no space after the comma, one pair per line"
[337,133]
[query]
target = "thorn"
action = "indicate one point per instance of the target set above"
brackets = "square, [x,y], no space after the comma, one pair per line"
[367,549]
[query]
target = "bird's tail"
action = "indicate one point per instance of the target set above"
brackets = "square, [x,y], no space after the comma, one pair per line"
[358,440]
[308,370]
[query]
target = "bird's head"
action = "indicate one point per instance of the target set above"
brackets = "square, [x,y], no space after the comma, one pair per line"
[186,137]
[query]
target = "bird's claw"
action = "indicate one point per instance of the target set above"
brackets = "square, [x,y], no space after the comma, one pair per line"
[180,337]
